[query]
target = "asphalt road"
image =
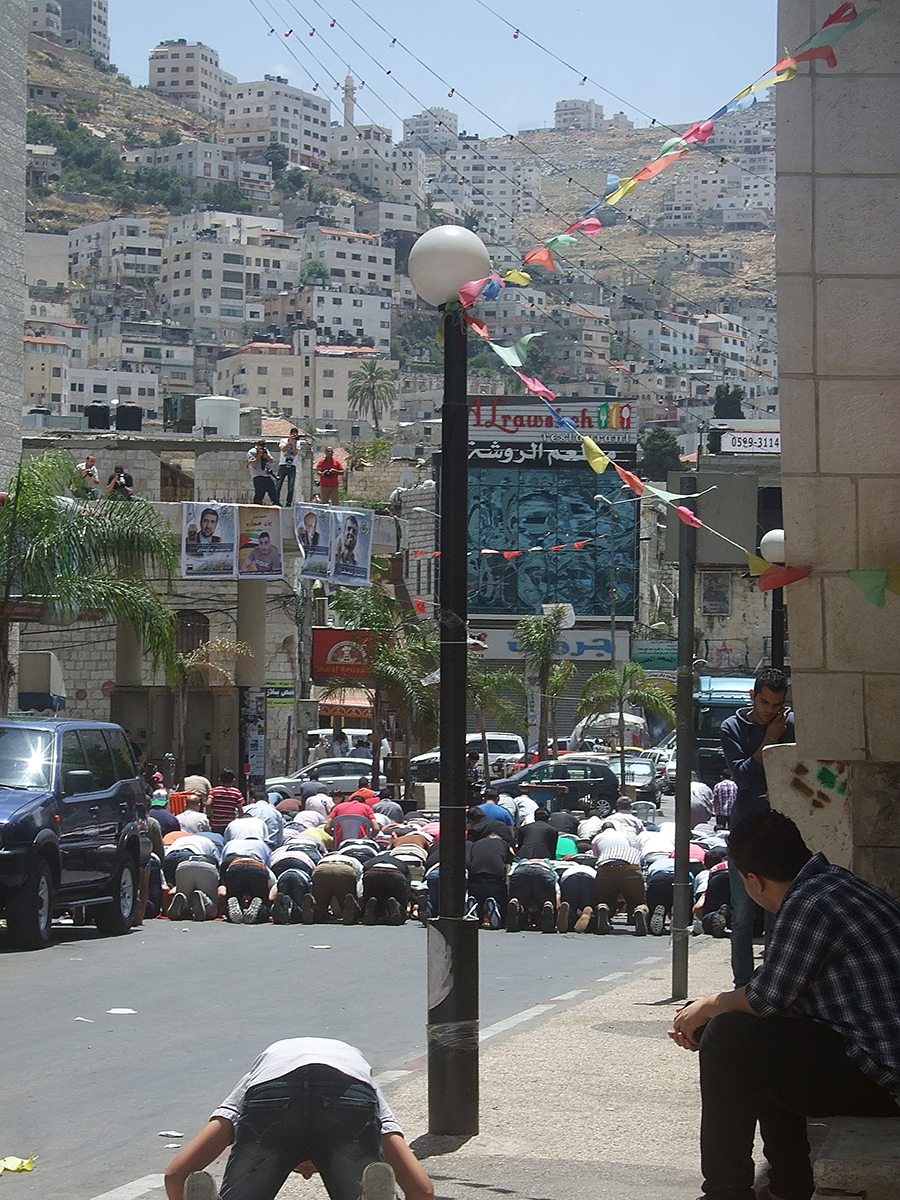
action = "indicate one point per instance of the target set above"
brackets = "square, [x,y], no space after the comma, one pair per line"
[90,1097]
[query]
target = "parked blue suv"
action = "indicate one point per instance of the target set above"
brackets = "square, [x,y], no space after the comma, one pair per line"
[71,804]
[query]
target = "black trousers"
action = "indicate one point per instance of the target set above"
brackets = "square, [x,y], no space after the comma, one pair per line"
[775,1071]
[385,883]
[482,886]
[314,1113]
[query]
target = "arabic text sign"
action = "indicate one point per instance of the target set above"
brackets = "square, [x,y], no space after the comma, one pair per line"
[336,543]
[341,653]
[580,645]
[259,548]
[514,418]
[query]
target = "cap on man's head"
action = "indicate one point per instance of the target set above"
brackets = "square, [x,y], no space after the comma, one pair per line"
[158,801]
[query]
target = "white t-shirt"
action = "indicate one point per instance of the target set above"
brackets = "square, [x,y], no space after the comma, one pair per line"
[283,1057]
[192,821]
[264,467]
[196,844]
[525,809]
[286,456]
[246,827]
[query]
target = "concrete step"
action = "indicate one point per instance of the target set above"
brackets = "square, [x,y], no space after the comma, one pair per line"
[859,1160]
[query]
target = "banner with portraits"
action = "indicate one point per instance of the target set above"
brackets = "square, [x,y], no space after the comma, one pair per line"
[336,544]
[231,541]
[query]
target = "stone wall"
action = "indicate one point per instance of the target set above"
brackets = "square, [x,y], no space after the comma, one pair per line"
[838,263]
[376,482]
[13,38]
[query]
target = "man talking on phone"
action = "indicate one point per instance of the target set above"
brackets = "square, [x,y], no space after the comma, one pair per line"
[767,722]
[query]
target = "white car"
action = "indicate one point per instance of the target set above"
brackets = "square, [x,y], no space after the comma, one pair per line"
[335,774]
[503,748]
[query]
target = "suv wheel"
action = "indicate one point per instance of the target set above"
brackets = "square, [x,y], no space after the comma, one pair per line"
[29,911]
[603,808]
[117,917]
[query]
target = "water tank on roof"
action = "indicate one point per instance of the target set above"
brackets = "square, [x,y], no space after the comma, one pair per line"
[97,416]
[218,416]
[129,417]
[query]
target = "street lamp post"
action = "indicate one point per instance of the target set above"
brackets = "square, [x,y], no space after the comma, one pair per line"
[613,598]
[440,262]
[772,549]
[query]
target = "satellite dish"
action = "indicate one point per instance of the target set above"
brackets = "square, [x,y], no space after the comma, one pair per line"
[407,479]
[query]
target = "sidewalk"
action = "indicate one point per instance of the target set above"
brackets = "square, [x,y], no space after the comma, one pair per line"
[591,1103]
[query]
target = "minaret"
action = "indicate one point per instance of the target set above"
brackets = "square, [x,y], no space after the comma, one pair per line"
[349,101]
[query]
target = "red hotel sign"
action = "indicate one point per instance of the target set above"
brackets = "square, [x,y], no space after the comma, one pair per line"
[341,653]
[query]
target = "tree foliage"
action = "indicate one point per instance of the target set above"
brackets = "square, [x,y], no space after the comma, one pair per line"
[537,637]
[728,401]
[314,271]
[610,690]
[186,671]
[487,694]
[371,392]
[67,561]
[661,454]
[278,158]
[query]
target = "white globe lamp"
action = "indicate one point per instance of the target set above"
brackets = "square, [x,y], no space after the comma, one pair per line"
[772,546]
[445,258]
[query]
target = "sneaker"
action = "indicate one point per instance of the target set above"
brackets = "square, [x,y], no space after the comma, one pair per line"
[471,907]
[308,909]
[640,920]
[235,913]
[658,921]
[370,911]
[603,918]
[251,912]
[200,1185]
[282,909]
[395,913]
[562,918]
[178,909]
[202,908]
[350,910]
[492,909]
[717,924]
[583,924]
[512,916]
[378,1182]
[548,918]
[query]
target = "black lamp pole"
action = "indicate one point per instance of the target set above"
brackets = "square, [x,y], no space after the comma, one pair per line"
[684,748]
[452,1031]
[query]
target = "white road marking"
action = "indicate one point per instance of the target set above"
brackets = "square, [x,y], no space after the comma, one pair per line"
[511,1022]
[567,995]
[654,958]
[613,975]
[131,1191]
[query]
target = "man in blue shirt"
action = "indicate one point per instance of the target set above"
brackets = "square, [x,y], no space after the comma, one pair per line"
[744,737]
[816,1031]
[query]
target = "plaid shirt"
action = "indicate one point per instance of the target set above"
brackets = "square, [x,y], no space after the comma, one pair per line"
[834,957]
[724,795]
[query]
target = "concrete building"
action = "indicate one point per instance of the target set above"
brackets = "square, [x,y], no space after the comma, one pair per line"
[46,363]
[384,215]
[204,164]
[335,366]
[151,347]
[503,187]
[578,337]
[115,250]
[266,375]
[341,313]
[85,26]
[577,115]
[355,260]
[93,385]
[666,340]
[270,110]
[367,154]
[433,130]
[14,26]
[45,19]
[188,73]
[839,366]
[43,166]
[46,260]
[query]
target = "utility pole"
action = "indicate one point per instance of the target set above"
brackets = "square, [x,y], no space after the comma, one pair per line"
[684,747]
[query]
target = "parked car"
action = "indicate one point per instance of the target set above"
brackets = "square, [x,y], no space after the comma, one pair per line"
[71,804]
[570,783]
[335,774]
[502,748]
[642,775]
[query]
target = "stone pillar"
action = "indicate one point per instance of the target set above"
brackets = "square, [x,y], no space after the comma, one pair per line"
[13,37]
[838,264]
[250,676]
[129,657]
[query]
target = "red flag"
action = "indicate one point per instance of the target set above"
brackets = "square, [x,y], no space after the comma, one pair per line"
[580,545]
[508,554]
[633,482]
[479,326]
[557,547]
[419,606]
[542,257]
[842,16]
[419,553]
[688,517]
[777,577]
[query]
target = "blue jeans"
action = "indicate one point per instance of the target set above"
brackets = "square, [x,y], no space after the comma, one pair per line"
[287,474]
[743,918]
[314,1113]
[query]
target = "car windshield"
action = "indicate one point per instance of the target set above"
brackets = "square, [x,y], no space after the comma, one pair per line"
[635,770]
[25,756]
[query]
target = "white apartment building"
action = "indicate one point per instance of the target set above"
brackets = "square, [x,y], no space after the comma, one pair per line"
[355,260]
[222,227]
[750,133]
[338,313]
[382,215]
[266,375]
[203,164]
[724,343]
[503,187]
[433,130]
[188,73]
[368,153]
[577,114]
[335,367]
[515,312]
[579,340]
[115,250]
[46,260]
[667,341]
[270,110]
[91,385]
[46,363]
[85,26]
[145,347]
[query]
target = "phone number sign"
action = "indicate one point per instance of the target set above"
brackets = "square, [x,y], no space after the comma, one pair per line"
[751,443]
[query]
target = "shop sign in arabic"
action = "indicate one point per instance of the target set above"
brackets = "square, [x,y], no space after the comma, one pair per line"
[513,418]
[580,645]
[532,454]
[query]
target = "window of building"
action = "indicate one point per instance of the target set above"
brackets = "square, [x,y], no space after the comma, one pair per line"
[192,632]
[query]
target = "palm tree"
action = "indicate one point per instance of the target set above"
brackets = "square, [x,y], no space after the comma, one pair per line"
[185,671]
[372,390]
[611,690]
[557,686]
[71,561]
[487,696]
[537,637]
[403,653]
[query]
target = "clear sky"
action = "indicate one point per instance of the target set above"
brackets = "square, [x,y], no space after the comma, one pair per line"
[674,62]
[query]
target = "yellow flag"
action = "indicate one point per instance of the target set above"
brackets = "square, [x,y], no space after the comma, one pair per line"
[893,579]
[595,456]
[522,278]
[758,566]
[626,186]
